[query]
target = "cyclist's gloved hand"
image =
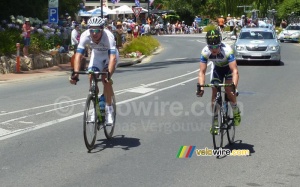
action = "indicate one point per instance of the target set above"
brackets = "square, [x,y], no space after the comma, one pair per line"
[73,78]
[199,92]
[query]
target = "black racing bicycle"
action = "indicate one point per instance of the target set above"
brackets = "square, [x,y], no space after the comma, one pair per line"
[93,117]
[222,116]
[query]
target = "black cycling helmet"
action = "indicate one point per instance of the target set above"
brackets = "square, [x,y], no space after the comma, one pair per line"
[213,37]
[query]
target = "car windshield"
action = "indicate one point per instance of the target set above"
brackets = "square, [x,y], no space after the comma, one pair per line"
[293,27]
[256,35]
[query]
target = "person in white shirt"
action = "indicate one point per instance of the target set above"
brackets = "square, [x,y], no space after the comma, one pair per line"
[75,35]
[104,57]
[147,28]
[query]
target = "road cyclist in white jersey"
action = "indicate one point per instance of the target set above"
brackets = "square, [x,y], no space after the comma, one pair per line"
[224,67]
[104,57]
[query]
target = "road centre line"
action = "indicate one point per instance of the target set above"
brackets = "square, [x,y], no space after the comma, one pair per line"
[49,123]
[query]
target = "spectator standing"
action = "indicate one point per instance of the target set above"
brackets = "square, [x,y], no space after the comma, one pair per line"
[228,18]
[231,24]
[136,30]
[147,28]
[119,33]
[221,22]
[283,24]
[75,36]
[26,34]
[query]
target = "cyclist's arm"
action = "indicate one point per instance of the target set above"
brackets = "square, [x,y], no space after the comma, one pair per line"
[77,60]
[202,71]
[112,63]
[78,56]
[235,72]
[203,65]
[112,53]
[232,65]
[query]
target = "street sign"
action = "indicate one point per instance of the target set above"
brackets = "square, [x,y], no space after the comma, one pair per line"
[137,11]
[53,15]
[53,3]
[198,20]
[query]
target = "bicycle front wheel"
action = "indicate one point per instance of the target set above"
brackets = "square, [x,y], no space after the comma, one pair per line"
[109,128]
[90,122]
[217,131]
[230,123]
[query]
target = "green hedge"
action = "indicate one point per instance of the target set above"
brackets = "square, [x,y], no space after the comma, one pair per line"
[8,40]
[143,44]
[38,42]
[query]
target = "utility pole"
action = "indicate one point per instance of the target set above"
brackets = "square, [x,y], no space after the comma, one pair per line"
[101,2]
[148,8]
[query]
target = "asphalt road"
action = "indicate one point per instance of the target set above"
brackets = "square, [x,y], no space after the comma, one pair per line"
[41,138]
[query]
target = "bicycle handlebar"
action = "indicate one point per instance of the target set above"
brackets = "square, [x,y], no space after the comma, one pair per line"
[88,73]
[91,72]
[219,85]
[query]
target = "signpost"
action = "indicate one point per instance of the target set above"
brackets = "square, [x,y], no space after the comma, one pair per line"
[53,11]
[53,15]
[137,11]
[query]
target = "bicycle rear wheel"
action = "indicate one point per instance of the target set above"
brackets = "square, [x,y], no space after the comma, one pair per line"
[230,123]
[109,128]
[90,122]
[217,131]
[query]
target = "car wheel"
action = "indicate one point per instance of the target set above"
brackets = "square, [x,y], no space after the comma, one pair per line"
[281,41]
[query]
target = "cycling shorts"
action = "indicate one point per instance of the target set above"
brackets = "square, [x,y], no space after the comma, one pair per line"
[218,74]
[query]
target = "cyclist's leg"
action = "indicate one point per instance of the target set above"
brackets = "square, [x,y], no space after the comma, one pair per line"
[228,90]
[216,77]
[107,86]
[93,66]
[233,100]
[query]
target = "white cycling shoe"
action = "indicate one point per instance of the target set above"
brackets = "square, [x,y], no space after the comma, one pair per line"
[109,115]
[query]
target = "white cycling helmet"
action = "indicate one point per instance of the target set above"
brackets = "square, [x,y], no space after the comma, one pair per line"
[96,21]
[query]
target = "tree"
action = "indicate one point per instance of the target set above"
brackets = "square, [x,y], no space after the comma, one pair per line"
[35,8]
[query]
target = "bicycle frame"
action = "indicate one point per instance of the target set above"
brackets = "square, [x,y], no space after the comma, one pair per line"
[222,103]
[224,125]
[93,89]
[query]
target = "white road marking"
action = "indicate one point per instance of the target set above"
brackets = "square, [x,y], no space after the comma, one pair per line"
[176,59]
[141,90]
[4,132]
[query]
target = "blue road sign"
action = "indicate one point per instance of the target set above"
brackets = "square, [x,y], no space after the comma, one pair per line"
[53,15]
[198,20]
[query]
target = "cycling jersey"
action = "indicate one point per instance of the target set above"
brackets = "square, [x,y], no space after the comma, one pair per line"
[225,56]
[220,68]
[101,51]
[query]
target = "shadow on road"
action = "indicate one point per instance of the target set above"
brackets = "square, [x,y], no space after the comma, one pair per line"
[259,63]
[238,145]
[119,141]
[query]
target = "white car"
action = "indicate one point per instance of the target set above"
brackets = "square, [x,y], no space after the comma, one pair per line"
[290,33]
[257,44]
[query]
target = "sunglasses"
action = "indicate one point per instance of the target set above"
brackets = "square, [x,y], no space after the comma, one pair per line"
[213,46]
[96,31]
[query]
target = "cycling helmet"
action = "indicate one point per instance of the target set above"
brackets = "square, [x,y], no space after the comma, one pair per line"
[213,37]
[96,21]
